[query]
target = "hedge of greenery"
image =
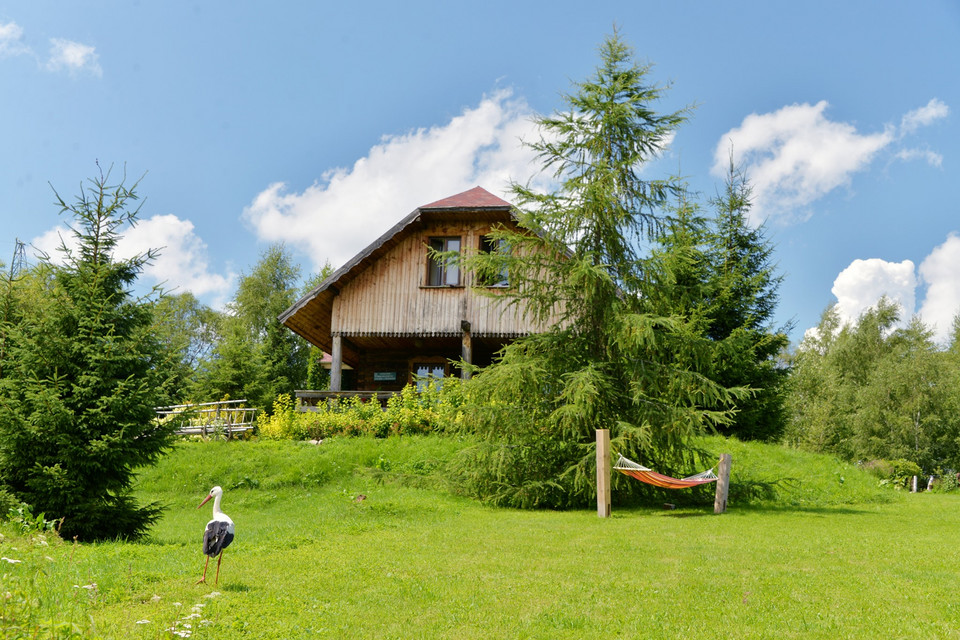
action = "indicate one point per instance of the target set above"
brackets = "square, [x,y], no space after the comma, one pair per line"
[435,409]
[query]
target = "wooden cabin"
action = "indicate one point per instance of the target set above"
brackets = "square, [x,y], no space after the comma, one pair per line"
[396,313]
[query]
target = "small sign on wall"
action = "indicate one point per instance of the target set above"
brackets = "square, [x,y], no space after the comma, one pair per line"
[384,376]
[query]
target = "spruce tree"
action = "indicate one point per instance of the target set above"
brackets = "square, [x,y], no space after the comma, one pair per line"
[743,298]
[80,381]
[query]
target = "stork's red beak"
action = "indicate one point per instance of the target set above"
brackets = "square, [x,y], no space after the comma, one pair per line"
[204,500]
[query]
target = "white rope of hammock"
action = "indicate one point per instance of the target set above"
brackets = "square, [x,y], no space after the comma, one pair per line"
[625,464]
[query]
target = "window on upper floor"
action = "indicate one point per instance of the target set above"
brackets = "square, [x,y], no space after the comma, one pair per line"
[442,271]
[496,277]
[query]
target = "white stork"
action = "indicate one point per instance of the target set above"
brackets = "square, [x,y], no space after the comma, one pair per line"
[218,535]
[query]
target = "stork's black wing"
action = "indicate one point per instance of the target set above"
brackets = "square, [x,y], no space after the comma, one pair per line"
[216,537]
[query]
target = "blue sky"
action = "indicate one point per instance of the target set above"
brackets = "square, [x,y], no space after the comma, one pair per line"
[321,124]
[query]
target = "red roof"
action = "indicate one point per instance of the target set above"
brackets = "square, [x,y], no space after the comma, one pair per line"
[475,198]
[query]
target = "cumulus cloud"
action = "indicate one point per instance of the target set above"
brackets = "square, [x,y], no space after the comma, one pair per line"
[10,40]
[796,155]
[73,56]
[862,284]
[940,271]
[182,264]
[347,208]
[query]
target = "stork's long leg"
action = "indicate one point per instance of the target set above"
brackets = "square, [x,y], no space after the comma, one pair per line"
[219,558]
[204,578]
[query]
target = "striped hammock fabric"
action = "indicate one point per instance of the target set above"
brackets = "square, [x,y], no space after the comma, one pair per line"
[643,474]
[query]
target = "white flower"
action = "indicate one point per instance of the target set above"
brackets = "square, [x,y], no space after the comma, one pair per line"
[212,594]
[143,622]
[155,599]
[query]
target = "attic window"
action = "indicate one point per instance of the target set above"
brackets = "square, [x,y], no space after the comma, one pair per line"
[499,277]
[443,272]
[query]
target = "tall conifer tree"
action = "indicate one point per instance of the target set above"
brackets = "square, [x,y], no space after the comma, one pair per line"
[607,361]
[80,380]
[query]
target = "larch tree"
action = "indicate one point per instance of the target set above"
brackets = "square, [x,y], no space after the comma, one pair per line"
[606,361]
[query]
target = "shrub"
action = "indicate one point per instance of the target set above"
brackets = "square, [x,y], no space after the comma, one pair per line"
[900,473]
[437,408]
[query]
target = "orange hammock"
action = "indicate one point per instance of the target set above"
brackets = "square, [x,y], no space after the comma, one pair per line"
[634,470]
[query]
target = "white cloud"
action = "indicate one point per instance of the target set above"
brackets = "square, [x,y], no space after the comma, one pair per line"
[933,158]
[796,155]
[345,210]
[862,284]
[73,56]
[182,263]
[941,272]
[926,115]
[10,40]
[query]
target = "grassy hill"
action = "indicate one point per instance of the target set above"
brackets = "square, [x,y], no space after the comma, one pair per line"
[818,551]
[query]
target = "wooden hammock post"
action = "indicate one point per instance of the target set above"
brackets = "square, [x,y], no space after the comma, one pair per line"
[723,484]
[603,473]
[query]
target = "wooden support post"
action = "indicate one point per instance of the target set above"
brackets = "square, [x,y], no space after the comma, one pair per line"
[466,349]
[603,473]
[336,364]
[723,484]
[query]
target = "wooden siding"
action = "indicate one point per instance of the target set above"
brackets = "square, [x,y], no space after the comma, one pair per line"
[390,298]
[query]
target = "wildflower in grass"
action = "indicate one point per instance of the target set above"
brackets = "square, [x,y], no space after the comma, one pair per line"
[143,622]
[155,599]
[212,594]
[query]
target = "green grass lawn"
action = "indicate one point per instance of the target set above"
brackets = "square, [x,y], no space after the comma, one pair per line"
[829,557]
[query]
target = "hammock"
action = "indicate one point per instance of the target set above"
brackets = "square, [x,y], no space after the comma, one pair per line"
[634,470]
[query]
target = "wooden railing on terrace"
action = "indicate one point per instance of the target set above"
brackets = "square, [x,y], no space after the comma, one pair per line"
[226,417]
[308,400]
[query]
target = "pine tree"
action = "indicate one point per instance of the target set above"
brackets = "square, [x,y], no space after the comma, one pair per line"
[79,380]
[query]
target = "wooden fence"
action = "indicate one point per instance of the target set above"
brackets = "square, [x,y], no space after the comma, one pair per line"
[226,417]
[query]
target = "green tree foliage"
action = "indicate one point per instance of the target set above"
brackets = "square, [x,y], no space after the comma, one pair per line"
[718,274]
[875,391]
[317,377]
[744,295]
[188,331]
[609,361]
[257,358]
[79,379]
